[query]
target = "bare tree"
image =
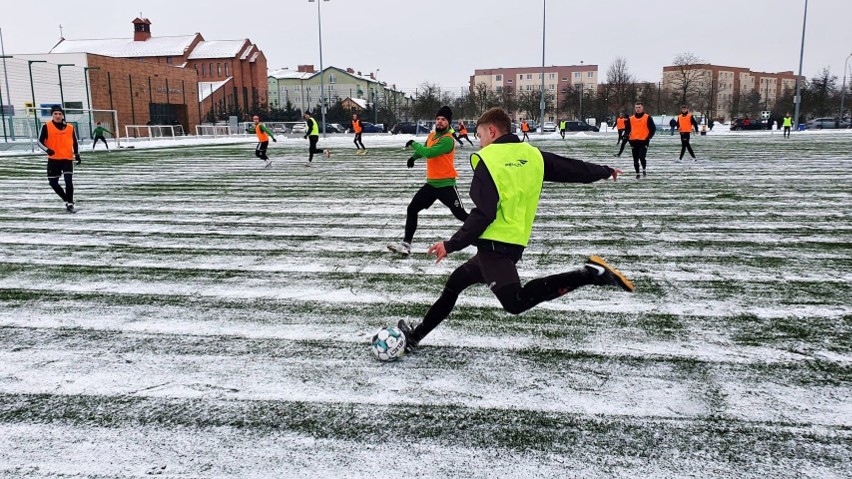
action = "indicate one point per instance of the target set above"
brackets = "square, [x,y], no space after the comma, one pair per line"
[620,79]
[530,103]
[688,76]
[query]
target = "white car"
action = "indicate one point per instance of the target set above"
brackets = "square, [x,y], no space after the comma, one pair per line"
[300,128]
[548,126]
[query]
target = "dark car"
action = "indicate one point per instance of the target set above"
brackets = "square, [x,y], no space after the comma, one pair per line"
[580,126]
[408,128]
[739,124]
[329,128]
[370,128]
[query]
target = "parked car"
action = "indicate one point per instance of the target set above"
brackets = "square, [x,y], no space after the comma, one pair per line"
[826,123]
[371,128]
[409,128]
[330,128]
[280,129]
[548,126]
[580,126]
[739,124]
[340,128]
[301,127]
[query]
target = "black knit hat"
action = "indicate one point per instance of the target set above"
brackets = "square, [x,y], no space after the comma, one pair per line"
[56,108]
[446,113]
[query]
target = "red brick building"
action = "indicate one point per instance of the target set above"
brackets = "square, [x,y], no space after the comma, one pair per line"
[228,77]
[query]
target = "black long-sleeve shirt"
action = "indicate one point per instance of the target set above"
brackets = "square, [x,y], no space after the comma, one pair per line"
[652,127]
[42,137]
[483,191]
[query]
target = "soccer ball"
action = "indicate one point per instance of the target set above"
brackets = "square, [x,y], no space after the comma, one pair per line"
[388,344]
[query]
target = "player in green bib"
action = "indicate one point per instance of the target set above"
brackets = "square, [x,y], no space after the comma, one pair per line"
[98,134]
[506,186]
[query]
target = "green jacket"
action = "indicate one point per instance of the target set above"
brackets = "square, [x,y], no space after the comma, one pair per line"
[99,131]
[445,145]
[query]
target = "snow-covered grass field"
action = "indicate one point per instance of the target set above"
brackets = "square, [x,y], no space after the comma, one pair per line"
[202,316]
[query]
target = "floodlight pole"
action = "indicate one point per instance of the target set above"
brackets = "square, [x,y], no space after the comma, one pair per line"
[6,76]
[543,27]
[801,60]
[322,72]
[59,73]
[843,86]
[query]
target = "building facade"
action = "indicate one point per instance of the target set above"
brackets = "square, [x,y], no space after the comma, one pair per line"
[230,75]
[557,80]
[729,85]
[301,87]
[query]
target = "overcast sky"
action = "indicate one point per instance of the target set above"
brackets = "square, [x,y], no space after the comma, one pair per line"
[443,42]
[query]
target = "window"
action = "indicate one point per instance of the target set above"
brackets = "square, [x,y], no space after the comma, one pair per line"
[590,75]
[499,89]
[332,78]
[169,60]
[551,87]
[203,69]
[529,76]
[196,68]
[539,76]
[498,78]
[331,88]
[309,88]
[577,75]
[564,78]
[227,71]
[508,81]
[219,69]
[553,76]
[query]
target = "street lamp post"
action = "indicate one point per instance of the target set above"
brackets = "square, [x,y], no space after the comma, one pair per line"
[88,100]
[843,86]
[32,88]
[322,71]
[3,108]
[582,91]
[376,98]
[801,59]
[59,73]
[6,77]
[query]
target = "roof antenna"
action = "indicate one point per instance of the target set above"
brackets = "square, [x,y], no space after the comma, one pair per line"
[61,37]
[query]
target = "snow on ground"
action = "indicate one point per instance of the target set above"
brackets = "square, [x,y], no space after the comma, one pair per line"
[202,316]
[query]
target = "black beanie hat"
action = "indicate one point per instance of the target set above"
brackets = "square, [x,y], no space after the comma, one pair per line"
[446,113]
[56,108]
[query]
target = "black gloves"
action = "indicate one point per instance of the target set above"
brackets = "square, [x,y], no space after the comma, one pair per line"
[77,157]
[411,162]
[50,152]
[274,140]
[306,136]
[408,144]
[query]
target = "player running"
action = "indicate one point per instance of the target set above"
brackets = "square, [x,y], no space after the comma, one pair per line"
[508,176]
[312,135]
[58,140]
[357,128]
[462,133]
[439,152]
[263,135]
[639,129]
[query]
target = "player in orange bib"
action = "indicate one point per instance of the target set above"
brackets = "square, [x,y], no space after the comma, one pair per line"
[263,135]
[356,127]
[439,151]
[640,128]
[462,133]
[59,141]
[685,124]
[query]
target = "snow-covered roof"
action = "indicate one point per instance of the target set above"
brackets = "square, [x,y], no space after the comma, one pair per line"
[285,74]
[217,49]
[246,52]
[360,102]
[127,47]
[207,88]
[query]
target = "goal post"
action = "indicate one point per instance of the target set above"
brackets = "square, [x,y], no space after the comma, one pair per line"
[84,120]
[213,130]
[150,132]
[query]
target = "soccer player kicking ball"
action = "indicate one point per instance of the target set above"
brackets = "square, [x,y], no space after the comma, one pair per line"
[58,140]
[507,183]
[263,135]
[439,152]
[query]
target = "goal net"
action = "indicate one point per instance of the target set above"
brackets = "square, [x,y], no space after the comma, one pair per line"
[213,130]
[84,121]
[152,132]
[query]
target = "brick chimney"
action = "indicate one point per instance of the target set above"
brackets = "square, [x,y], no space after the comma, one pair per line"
[141,29]
[306,69]
[349,70]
